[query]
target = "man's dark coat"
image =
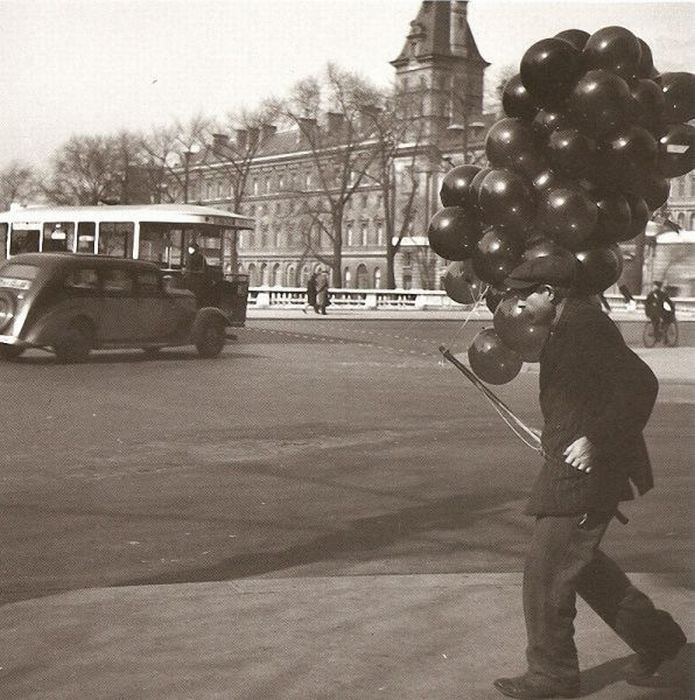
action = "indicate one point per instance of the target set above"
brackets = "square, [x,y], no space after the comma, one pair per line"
[593,385]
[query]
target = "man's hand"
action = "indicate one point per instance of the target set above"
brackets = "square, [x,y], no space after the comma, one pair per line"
[581,454]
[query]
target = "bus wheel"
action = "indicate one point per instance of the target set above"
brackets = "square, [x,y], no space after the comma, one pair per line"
[211,339]
[74,344]
[10,352]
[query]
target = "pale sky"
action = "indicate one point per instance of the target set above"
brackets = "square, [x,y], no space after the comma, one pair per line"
[97,66]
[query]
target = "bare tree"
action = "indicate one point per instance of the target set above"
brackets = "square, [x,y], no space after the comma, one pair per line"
[231,158]
[18,183]
[398,131]
[328,113]
[170,155]
[85,171]
[494,87]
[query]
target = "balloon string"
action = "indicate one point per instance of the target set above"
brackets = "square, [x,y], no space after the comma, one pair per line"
[459,331]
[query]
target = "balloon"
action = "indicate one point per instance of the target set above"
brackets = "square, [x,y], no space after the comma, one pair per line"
[491,360]
[461,284]
[600,102]
[614,221]
[453,232]
[455,190]
[615,49]
[679,95]
[576,37]
[542,247]
[571,152]
[506,200]
[506,141]
[645,67]
[627,156]
[493,296]
[639,215]
[496,254]
[677,150]
[601,267]
[654,190]
[568,216]
[547,180]
[649,102]
[519,330]
[546,122]
[476,184]
[516,100]
[549,69]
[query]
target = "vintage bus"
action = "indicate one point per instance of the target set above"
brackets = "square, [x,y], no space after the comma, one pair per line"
[171,235]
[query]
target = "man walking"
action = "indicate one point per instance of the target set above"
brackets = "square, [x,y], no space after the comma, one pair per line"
[596,396]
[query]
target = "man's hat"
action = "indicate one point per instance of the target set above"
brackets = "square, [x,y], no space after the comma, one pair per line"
[555,270]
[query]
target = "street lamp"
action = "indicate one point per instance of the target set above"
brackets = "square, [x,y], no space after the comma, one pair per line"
[187,154]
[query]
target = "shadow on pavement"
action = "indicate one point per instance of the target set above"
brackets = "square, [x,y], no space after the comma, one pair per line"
[674,681]
[359,538]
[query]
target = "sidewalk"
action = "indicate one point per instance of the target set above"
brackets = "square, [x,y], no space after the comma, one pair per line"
[431,637]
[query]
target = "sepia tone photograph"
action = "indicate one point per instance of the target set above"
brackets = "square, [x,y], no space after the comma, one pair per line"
[347,349]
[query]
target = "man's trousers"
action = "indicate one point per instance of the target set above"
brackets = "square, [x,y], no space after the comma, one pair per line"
[564,559]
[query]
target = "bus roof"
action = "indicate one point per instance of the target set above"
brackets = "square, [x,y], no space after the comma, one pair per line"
[157,213]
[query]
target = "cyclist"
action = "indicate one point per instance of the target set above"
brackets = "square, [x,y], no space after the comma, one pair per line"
[659,308]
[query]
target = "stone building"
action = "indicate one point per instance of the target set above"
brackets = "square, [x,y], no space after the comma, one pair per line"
[441,65]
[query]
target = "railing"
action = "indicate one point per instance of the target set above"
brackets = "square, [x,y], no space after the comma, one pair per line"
[420,299]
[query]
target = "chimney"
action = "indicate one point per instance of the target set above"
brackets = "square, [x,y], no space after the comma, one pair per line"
[336,122]
[242,138]
[220,141]
[307,128]
[253,136]
[267,130]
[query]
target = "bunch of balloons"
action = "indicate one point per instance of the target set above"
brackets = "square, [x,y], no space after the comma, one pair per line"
[592,135]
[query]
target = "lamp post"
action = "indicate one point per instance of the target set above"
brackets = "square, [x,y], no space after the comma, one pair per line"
[187,154]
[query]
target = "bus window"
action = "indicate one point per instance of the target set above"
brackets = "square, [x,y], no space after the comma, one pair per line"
[116,239]
[58,236]
[24,240]
[85,236]
[3,241]
[162,244]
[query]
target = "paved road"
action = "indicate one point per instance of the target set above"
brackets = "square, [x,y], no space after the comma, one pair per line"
[311,447]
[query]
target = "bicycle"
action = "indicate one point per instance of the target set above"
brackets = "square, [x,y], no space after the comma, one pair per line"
[666,332]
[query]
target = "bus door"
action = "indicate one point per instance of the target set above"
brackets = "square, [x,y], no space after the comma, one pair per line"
[25,237]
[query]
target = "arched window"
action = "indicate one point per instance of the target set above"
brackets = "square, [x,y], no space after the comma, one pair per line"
[347,278]
[380,233]
[348,234]
[364,229]
[290,279]
[305,275]
[253,276]
[362,277]
[681,220]
[377,278]
[275,277]
[264,275]
[692,222]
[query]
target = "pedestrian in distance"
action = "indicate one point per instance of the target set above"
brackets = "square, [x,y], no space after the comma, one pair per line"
[659,308]
[311,294]
[596,396]
[322,294]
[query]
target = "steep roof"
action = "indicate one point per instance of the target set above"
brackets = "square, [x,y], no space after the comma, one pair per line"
[430,35]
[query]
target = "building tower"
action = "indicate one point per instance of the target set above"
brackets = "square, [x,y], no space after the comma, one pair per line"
[440,66]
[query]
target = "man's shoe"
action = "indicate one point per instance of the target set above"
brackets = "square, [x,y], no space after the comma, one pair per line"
[523,687]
